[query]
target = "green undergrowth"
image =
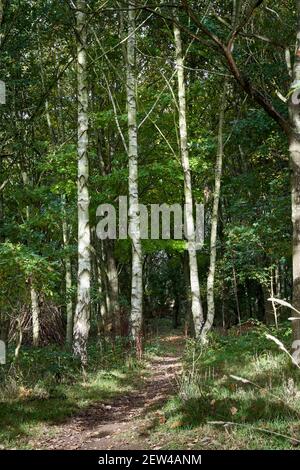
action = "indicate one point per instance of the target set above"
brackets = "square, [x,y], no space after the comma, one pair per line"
[263,397]
[47,386]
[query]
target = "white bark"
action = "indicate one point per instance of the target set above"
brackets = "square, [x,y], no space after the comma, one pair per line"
[196,304]
[134,218]
[35,308]
[68,274]
[294,105]
[35,312]
[20,339]
[214,222]
[82,314]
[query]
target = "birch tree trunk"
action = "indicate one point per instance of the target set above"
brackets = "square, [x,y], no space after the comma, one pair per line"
[136,314]
[68,273]
[294,108]
[35,308]
[4,325]
[214,222]
[35,313]
[197,311]
[82,314]
[66,237]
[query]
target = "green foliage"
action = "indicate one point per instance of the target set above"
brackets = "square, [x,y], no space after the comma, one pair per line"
[47,386]
[18,267]
[266,399]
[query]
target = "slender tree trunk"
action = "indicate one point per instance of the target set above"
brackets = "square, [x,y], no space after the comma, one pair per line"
[269,313]
[2,6]
[176,311]
[68,273]
[294,104]
[3,316]
[277,280]
[20,339]
[214,222]
[215,210]
[82,314]
[35,312]
[136,315]
[197,311]
[187,303]
[67,259]
[35,308]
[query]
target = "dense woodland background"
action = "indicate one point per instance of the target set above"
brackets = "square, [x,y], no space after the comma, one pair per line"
[135,77]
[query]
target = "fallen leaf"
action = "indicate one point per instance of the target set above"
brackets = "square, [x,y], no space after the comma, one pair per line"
[176,424]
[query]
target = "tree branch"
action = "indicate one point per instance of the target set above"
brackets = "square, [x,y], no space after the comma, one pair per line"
[243,23]
[246,85]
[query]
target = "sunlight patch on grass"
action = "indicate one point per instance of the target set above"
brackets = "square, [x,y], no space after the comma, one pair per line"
[207,393]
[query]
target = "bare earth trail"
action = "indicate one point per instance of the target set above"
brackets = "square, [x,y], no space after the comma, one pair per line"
[124,423]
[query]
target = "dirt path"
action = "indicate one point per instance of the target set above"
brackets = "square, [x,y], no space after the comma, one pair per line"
[126,422]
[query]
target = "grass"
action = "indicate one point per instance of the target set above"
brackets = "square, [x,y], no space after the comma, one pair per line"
[207,393]
[47,387]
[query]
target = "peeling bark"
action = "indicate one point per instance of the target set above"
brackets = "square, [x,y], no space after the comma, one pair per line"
[136,315]
[82,314]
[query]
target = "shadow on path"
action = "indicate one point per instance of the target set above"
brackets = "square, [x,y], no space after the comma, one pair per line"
[124,422]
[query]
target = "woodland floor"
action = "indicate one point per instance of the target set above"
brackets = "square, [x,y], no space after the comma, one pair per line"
[125,422]
[179,397]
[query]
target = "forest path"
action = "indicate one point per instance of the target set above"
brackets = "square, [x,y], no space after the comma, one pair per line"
[123,423]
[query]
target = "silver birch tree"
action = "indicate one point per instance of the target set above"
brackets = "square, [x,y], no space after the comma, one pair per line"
[294,104]
[136,314]
[82,313]
[214,222]
[34,296]
[68,273]
[196,305]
